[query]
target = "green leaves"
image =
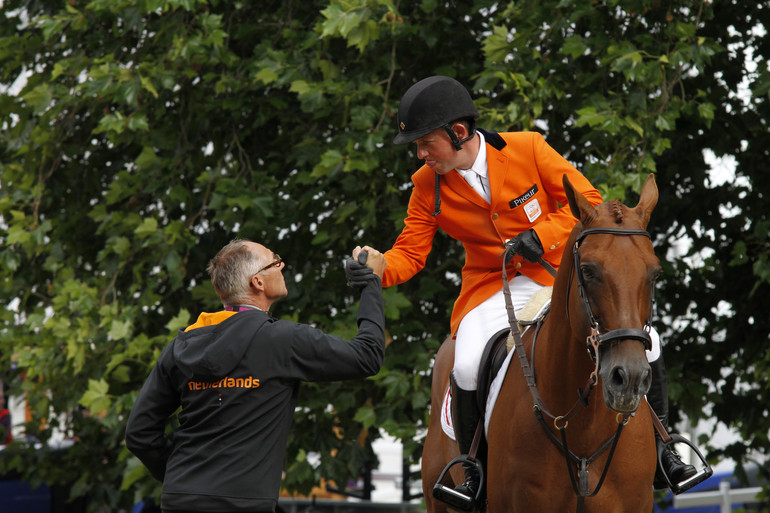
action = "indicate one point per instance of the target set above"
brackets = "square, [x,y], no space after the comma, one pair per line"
[356,20]
[366,416]
[96,398]
[148,227]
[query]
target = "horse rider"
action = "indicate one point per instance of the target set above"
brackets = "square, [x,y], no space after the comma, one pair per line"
[483,188]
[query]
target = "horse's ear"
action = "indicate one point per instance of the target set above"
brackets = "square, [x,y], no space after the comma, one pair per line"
[647,199]
[581,208]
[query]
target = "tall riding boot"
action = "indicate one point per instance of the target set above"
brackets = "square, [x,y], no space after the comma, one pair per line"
[671,464]
[465,418]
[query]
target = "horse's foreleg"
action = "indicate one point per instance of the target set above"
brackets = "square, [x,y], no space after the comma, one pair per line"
[439,449]
[432,465]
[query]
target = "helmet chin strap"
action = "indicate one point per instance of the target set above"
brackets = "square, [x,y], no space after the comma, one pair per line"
[458,144]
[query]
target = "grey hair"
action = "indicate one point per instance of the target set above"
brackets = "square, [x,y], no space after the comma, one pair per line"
[231,271]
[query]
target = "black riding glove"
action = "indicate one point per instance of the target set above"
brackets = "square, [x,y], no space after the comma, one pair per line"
[527,244]
[358,273]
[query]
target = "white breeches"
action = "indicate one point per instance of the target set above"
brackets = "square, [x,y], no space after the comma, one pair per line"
[488,318]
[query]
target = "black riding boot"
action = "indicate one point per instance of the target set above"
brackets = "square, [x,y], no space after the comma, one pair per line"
[465,418]
[671,464]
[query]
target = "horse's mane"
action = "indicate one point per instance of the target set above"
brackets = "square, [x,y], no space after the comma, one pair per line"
[616,210]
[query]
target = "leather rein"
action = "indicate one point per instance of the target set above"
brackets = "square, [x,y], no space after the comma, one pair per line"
[593,342]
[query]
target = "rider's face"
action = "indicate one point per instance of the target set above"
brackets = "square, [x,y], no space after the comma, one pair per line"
[437,151]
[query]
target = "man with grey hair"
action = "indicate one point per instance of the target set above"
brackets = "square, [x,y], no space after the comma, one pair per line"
[235,373]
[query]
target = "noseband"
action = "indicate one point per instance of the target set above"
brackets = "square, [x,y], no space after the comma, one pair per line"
[595,339]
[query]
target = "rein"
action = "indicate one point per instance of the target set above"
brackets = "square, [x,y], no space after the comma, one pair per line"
[593,341]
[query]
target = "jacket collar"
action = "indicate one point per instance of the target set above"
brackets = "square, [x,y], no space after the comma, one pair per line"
[493,139]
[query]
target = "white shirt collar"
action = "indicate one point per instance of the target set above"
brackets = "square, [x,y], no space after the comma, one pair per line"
[477,175]
[480,164]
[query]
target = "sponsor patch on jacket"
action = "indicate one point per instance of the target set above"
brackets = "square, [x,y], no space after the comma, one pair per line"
[517,202]
[532,209]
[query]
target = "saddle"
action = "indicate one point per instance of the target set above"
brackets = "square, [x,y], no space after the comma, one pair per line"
[492,360]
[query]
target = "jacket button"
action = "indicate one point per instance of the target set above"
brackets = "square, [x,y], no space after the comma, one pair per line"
[518,265]
[495,216]
[553,246]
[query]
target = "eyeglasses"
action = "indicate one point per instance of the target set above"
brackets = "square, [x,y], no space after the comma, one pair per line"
[277,262]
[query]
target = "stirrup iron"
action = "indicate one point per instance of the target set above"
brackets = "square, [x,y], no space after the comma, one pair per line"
[450,496]
[704,473]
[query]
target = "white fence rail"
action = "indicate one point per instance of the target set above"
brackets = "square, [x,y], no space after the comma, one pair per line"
[725,497]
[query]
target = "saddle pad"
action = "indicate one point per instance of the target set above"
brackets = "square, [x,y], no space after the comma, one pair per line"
[494,390]
[534,309]
[446,415]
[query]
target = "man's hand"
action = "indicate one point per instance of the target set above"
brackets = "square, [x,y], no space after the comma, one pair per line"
[374,259]
[527,244]
[357,272]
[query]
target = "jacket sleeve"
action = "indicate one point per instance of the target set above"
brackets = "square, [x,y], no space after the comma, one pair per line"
[556,227]
[146,428]
[311,355]
[411,249]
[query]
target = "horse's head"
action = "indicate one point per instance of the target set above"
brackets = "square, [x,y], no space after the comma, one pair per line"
[614,271]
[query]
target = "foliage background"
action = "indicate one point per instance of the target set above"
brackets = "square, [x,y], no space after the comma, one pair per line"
[139,136]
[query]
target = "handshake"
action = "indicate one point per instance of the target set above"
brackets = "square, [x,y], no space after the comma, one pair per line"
[366,264]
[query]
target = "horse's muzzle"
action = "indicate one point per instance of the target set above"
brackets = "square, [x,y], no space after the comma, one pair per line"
[625,384]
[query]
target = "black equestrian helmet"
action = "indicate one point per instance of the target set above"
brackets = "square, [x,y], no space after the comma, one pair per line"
[432,103]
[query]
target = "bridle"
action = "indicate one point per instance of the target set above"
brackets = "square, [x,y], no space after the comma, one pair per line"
[594,341]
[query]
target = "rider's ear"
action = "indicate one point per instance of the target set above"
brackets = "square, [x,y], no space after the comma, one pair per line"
[460,130]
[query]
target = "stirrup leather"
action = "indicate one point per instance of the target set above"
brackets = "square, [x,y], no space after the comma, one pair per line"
[704,473]
[453,498]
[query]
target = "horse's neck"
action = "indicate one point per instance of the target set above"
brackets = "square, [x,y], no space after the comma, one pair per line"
[562,360]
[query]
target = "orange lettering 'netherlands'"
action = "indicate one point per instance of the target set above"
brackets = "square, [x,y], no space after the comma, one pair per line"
[226,382]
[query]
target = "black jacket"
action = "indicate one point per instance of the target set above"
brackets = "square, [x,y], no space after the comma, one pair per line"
[237,385]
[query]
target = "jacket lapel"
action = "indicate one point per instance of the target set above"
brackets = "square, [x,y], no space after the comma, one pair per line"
[496,166]
[458,185]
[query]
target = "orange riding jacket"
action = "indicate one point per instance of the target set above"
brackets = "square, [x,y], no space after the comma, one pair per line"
[525,177]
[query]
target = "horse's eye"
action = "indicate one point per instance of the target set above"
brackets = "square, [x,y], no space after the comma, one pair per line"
[588,271]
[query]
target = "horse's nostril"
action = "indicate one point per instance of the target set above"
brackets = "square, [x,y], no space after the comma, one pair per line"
[647,381]
[618,377]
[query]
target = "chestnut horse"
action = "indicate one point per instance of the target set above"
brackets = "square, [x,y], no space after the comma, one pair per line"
[607,285]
